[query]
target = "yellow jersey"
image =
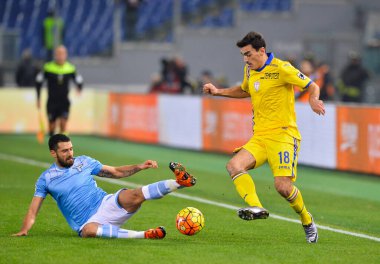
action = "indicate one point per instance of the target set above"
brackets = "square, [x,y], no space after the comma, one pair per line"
[272,96]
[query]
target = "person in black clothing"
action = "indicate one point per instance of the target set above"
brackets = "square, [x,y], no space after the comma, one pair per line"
[353,79]
[131,18]
[58,74]
[26,71]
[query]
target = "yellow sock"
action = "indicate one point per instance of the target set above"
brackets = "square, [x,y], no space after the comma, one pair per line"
[246,189]
[296,202]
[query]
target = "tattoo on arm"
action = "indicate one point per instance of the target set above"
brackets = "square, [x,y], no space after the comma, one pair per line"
[105,174]
[131,172]
[121,172]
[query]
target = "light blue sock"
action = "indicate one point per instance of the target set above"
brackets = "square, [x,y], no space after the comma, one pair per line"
[158,189]
[112,231]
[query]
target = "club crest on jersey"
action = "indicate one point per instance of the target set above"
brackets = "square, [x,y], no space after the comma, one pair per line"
[301,76]
[78,167]
[256,85]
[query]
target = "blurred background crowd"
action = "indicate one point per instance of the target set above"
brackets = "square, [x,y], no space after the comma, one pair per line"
[175,46]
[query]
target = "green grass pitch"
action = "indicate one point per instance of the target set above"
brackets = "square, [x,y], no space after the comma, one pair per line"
[342,201]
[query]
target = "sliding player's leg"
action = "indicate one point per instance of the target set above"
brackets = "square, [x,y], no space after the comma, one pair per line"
[117,208]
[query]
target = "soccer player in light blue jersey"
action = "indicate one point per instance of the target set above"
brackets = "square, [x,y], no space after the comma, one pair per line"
[88,209]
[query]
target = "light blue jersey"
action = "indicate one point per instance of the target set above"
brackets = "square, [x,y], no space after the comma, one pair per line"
[74,189]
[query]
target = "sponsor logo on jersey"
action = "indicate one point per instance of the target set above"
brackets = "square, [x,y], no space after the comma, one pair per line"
[273,75]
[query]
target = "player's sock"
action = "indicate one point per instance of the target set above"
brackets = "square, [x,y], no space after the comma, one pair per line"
[112,231]
[296,202]
[159,189]
[246,189]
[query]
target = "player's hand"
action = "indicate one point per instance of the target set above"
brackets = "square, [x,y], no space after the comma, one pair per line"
[149,164]
[38,104]
[317,106]
[21,233]
[209,88]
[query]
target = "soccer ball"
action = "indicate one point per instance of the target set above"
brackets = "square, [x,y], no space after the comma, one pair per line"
[190,221]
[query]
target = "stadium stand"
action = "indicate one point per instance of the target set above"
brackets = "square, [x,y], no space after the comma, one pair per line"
[265,5]
[89,24]
[85,21]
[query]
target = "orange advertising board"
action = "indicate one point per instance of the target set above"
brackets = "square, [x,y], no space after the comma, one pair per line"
[133,117]
[226,123]
[358,139]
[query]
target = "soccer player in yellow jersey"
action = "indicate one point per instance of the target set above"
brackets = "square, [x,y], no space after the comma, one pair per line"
[269,82]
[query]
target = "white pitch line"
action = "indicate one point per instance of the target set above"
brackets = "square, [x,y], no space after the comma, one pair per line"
[184,196]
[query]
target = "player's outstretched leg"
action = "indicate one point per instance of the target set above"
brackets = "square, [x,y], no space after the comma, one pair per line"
[159,189]
[157,233]
[112,231]
[183,178]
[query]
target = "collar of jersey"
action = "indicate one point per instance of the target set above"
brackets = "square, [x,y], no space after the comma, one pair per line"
[59,168]
[269,60]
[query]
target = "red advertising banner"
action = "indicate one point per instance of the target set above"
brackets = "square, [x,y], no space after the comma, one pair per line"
[133,117]
[358,139]
[226,123]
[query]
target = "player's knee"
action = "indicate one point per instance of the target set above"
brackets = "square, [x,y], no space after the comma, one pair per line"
[131,199]
[233,168]
[283,186]
[137,197]
[89,230]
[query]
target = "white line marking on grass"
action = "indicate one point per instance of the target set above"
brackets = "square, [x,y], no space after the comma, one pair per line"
[184,196]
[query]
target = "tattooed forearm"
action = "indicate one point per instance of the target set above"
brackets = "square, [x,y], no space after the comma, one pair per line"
[118,172]
[106,174]
[131,171]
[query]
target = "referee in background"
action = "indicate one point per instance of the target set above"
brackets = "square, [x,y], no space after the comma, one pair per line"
[58,74]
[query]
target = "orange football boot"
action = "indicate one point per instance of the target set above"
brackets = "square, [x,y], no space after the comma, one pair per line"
[183,178]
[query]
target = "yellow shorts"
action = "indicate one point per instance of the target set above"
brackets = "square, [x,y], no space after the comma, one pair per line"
[280,150]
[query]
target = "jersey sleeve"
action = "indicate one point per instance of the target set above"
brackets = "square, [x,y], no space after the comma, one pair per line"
[41,189]
[294,76]
[244,85]
[94,165]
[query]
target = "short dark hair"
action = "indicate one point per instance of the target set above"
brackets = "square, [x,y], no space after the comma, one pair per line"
[254,39]
[55,139]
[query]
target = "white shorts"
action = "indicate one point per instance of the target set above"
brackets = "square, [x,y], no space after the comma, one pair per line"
[110,212]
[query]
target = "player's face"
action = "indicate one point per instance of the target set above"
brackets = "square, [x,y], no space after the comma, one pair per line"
[254,58]
[64,155]
[61,55]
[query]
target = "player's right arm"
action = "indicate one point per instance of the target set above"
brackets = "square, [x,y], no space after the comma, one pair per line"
[30,217]
[233,92]
[126,170]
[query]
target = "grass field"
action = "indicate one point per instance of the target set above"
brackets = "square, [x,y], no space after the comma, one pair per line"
[341,201]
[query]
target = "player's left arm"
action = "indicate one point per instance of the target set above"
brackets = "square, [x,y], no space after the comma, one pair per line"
[315,104]
[126,170]
[293,76]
